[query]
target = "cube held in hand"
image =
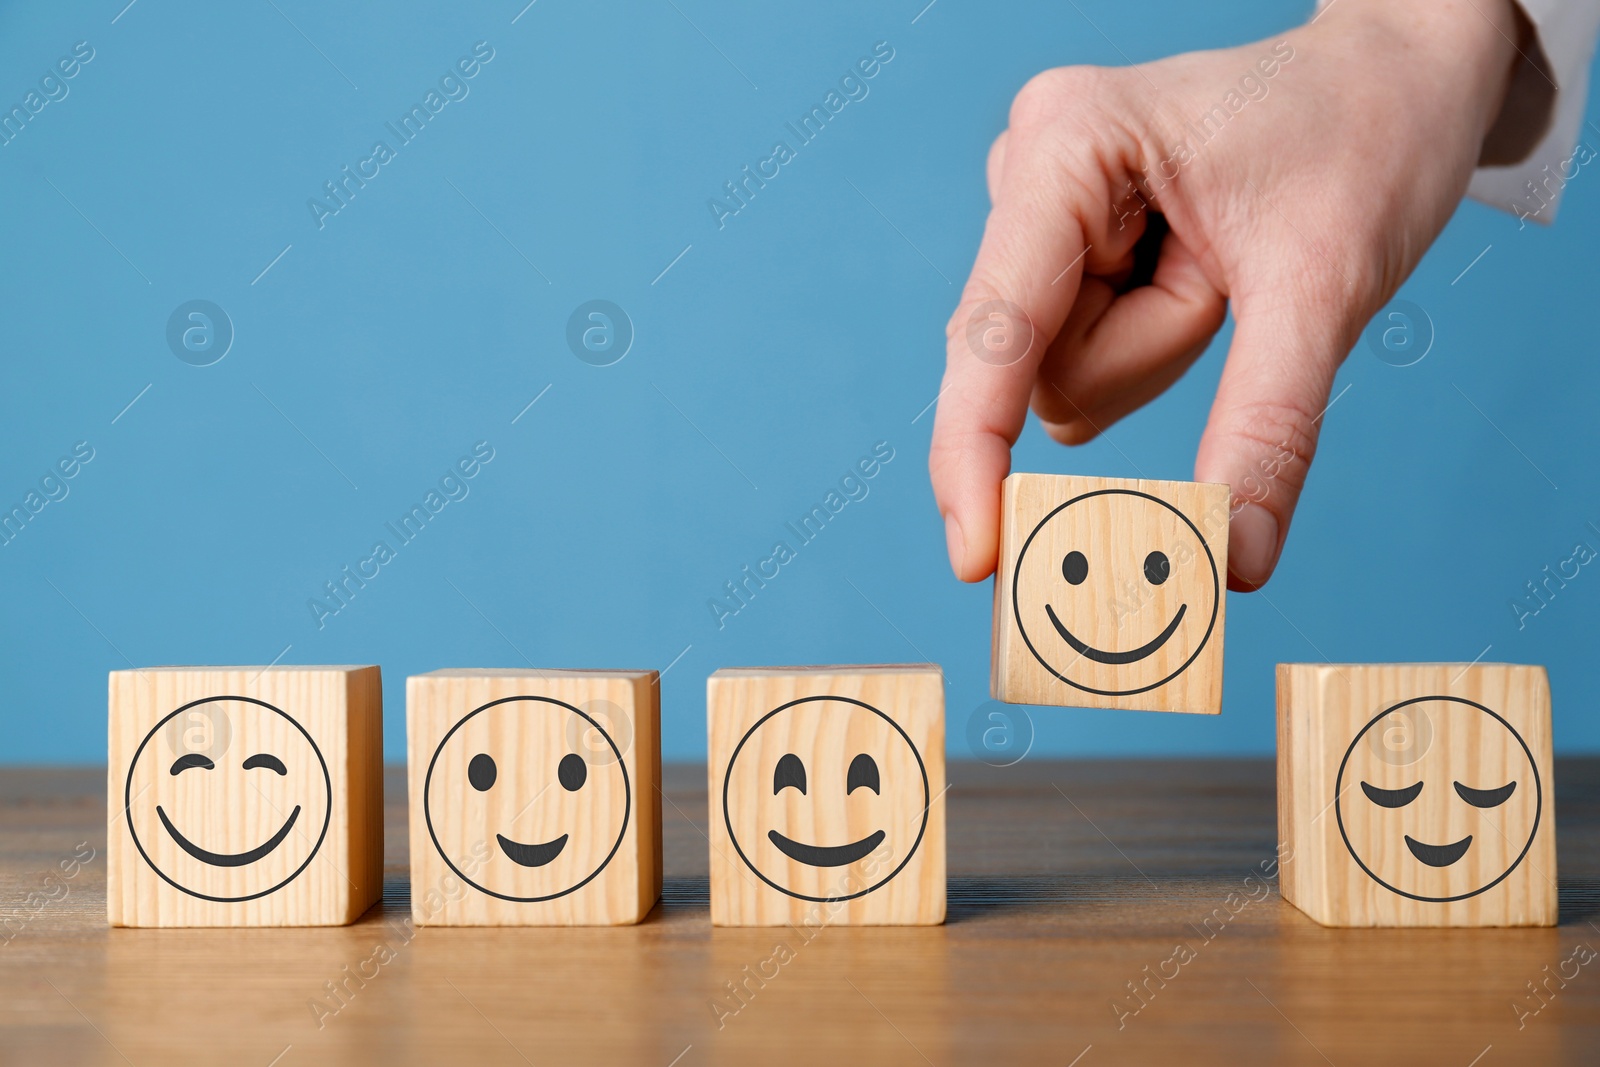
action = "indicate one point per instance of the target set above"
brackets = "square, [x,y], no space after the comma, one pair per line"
[1109,593]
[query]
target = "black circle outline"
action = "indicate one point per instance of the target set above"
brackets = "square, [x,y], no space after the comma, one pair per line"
[927,802]
[127,799]
[1216,594]
[1538,802]
[627,800]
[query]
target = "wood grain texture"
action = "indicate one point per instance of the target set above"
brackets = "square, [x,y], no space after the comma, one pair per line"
[211,767]
[1067,880]
[1417,794]
[826,789]
[1092,578]
[535,797]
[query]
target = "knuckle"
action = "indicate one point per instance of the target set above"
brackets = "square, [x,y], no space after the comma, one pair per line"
[1052,94]
[1280,439]
[984,301]
[976,296]
[1331,270]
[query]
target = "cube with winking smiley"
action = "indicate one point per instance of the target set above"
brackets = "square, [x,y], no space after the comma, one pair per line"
[244,796]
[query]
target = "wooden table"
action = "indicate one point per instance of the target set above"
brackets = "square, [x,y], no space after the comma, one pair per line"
[1067,881]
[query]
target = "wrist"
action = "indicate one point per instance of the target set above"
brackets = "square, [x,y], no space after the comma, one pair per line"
[1467,48]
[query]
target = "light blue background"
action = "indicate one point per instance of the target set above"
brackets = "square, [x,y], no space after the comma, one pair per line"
[794,338]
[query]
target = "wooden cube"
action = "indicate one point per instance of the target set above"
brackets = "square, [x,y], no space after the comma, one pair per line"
[1109,593]
[827,795]
[244,796]
[535,797]
[1416,794]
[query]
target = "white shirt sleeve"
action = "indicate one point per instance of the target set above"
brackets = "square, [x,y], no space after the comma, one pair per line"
[1536,145]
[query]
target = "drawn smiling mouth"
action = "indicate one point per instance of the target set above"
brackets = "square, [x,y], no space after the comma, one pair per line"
[825,856]
[237,859]
[1438,855]
[531,855]
[1116,658]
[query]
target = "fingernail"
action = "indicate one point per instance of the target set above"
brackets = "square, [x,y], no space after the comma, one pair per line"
[956,541]
[1252,544]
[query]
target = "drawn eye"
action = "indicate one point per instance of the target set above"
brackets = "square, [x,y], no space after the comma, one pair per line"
[1391,798]
[271,763]
[1486,798]
[191,759]
[863,772]
[1157,568]
[789,772]
[572,772]
[482,772]
[1075,568]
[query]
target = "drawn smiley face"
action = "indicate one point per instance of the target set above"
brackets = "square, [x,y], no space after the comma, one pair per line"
[510,782]
[232,821]
[1114,577]
[1450,823]
[826,798]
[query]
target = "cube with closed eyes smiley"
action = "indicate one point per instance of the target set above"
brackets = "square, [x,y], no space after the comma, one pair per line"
[1109,593]
[1417,794]
[827,795]
[244,796]
[535,796]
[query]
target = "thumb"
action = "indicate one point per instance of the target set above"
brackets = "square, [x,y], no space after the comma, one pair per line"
[1264,424]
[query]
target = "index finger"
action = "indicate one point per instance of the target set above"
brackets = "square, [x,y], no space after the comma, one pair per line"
[1023,283]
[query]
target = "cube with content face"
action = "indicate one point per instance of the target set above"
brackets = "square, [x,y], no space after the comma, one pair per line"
[535,797]
[1416,794]
[827,795]
[244,796]
[1109,593]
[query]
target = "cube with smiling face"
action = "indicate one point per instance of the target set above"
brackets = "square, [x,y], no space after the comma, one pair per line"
[827,795]
[535,797]
[1109,593]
